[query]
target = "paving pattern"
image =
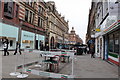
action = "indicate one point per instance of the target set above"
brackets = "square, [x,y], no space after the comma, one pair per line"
[84,66]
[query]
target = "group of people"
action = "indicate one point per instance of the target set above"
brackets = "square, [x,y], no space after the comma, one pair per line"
[5,47]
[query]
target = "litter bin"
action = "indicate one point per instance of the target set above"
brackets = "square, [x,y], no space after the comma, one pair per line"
[79,51]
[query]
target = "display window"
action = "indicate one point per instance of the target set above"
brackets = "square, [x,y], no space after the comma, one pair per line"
[113,42]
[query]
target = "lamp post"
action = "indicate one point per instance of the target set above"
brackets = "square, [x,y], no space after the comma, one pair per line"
[15,73]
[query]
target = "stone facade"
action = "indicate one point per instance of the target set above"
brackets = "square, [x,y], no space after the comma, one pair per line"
[74,38]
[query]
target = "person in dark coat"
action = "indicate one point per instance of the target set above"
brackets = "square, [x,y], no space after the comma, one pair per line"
[17,48]
[92,51]
[47,47]
[85,50]
[5,46]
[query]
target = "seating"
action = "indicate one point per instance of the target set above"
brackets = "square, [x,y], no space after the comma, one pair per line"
[64,56]
[52,62]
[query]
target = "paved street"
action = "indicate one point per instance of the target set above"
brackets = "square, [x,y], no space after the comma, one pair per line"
[84,66]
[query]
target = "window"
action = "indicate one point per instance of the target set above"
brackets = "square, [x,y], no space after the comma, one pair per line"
[26,15]
[5,6]
[8,9]
[116,43]
[38,21]
[27,2]
[39,9]
[33,18]
[111,43]
[31,4]
[30,17]
[17,8]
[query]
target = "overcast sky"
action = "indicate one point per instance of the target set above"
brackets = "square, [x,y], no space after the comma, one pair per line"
[76,11]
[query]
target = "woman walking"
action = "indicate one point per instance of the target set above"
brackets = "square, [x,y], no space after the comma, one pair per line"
[5,46]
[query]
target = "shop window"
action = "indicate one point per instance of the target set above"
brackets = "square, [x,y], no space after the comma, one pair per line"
[116,43]
[111,43]
[11,43]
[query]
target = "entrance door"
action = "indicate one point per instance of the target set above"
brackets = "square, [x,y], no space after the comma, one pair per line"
[36,45]
[100,47]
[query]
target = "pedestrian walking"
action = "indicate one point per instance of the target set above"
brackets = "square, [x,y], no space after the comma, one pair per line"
[87,50]
[47,47]
[5,46]
[17,48]
[92,51]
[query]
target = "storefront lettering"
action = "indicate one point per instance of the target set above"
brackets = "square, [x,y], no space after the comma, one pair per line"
[27,35]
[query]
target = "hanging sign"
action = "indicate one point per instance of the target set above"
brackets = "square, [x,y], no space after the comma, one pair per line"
[98,30]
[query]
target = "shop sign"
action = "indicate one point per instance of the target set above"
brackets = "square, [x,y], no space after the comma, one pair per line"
[98,30]
[27,35]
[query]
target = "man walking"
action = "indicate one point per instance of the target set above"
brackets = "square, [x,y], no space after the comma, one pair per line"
[17,48]
[92,51]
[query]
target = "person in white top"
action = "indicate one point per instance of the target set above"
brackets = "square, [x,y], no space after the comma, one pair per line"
[5,46]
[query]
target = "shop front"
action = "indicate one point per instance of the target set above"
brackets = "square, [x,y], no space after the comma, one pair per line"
[27,40]
[112,43]
[60,42]
[11,32]
[40,41]
[113,46]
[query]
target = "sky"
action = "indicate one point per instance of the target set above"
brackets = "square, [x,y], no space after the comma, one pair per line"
[76,12]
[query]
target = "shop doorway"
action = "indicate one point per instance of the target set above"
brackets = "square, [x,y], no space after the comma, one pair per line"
[52,43]
[101,48]
[36,44]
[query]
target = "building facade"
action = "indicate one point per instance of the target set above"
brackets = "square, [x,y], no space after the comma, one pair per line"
[58,27]
[74,38]
[23,22]
[107,28]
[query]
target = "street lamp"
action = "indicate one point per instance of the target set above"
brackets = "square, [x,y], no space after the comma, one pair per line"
[15,73]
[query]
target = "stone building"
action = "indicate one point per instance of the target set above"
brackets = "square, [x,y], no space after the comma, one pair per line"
[23,21]
[58,27]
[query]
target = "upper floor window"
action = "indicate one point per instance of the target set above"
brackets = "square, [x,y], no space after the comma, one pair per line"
[39,9]
[5,6]
[38,21]
[8,9]
[30,17]
[31,4]
[17,8]
[26,15]
[33,18]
